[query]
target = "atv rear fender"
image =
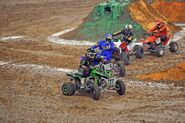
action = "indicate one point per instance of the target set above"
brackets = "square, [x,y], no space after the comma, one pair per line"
[72,76]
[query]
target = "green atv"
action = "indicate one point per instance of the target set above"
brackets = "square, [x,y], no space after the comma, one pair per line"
[99,80]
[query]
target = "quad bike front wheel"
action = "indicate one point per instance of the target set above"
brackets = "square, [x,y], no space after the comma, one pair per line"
[95,92]
[173,47]
[68,89]
[139,52]
[125,58]
[159,51]
[121,68]
[120,87]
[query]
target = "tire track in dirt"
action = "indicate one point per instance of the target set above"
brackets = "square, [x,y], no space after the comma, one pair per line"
[3,101]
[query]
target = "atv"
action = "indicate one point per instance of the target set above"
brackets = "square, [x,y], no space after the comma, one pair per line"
[115,65]
[153,44]
[127,49]
[98,81]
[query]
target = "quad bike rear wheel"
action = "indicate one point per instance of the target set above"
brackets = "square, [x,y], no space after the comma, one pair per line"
[95,92]
[173,47]
[139,52]
[68,89]
[120,87]
[159,51]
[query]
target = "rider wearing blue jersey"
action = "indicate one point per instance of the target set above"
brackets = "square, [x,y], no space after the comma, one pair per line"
[106,47]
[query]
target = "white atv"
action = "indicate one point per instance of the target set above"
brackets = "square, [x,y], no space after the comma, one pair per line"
[127,50]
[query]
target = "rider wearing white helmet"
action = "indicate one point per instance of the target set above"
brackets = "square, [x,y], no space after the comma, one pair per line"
[127,33]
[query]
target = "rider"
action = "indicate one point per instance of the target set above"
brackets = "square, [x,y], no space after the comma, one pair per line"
[84,67]
[127,34]
[106,47]
[161,30]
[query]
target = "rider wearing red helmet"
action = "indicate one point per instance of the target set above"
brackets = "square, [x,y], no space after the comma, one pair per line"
[161,30]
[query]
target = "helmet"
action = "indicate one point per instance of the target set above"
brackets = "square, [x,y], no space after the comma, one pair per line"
[159,22]
[128,26]
[108,37]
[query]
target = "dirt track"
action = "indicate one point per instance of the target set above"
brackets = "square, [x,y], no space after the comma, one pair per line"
[32,94]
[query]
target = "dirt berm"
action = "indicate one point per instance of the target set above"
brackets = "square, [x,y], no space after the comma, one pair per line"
[144,14]
[173,10]
[176,73]
[138,13]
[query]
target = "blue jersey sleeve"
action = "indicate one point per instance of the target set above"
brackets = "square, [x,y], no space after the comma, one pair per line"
[99,43]
[94,46]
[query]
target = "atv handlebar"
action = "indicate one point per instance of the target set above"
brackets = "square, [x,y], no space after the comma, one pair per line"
[93,53]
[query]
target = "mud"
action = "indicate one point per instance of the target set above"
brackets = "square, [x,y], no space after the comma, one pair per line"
[146,15]
[30,96]
[32,71]
[173,10]
[176,73]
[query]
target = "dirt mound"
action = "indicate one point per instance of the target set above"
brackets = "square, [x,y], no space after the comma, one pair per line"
[101,21]
[146,15]
[176,73]
[139,13]
[173,10]
[30,83]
